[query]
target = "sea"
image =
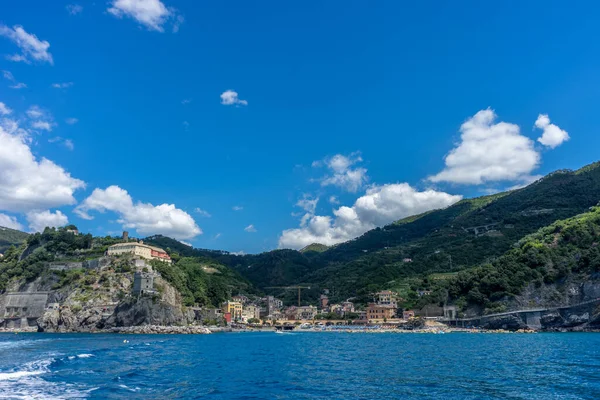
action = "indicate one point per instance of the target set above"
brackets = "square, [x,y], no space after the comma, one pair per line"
[303,365]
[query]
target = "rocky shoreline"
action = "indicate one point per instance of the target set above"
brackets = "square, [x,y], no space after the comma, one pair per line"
[161,329]
[142,329]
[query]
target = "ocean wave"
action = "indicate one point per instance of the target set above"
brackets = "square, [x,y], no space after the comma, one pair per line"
[26,382]
[28,369]
[12,344]
[85,355]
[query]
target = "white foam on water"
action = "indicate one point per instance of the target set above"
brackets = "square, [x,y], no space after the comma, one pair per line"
[128,388]
[26,382]
[85,355]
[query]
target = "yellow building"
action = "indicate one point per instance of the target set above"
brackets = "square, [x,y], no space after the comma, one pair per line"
[139,249]
[234,308]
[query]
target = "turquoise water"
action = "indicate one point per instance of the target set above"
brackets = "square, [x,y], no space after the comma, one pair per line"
[301,366]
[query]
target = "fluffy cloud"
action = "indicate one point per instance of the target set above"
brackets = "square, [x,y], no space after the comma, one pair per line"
[35,112]
[39,220]
[489,152]
[250,228]
[342,174]
[230,98]
[146,218]
[31,47]
[74,9]
[43,125]
[552,136]
[379,206]
[153,14]
[27,183]
[4,110]
[62,85]
[6,221]
[18,85]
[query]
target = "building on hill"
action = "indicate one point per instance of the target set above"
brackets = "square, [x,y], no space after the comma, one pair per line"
[249,312]
[347,307]
[139,249]
[240,298]
[386,297]
[143,283]
[323,301]
[234,308]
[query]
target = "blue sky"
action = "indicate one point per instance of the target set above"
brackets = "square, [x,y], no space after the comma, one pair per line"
[286,122]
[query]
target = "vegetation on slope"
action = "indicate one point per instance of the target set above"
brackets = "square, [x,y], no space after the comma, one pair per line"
[553,253]
[201,281]
[11,237]
[314,247]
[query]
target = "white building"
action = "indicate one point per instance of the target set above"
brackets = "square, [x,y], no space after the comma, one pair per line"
[139,249]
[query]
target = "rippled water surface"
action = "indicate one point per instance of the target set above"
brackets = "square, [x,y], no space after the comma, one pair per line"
[301,366]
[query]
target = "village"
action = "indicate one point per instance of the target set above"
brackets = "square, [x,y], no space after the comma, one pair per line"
[252,311]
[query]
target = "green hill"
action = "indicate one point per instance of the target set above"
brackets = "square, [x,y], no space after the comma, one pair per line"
[415,252]
[314,248]
[406,253]
[11,237]
[564,252]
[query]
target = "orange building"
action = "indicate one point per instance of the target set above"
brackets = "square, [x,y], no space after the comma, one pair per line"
[381,311]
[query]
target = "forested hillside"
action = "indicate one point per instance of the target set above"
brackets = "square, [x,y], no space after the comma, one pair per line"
[412,253]
[565,251]
[10,237]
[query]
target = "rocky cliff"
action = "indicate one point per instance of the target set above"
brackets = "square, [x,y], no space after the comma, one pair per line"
[89,297]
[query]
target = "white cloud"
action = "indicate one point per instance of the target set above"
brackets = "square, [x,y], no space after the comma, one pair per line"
[333,200]
[201,212]
[4,110]
[18,85]
[31,47]
[7,221]
[230,98]
[74,9]
[186,101]
[152,14]
[250,228]
[44,125]
[71,121]
[218,235]
[146,218]
[62,85]
[379,206]
[237,208]
[238,253]
[552,136]
[18,58]
[39,220]
[35,112]
[489,152]
[342,174]
[28,184]
[68,143]
[307,203]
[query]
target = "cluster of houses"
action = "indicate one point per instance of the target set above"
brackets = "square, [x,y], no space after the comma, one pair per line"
[241,309]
